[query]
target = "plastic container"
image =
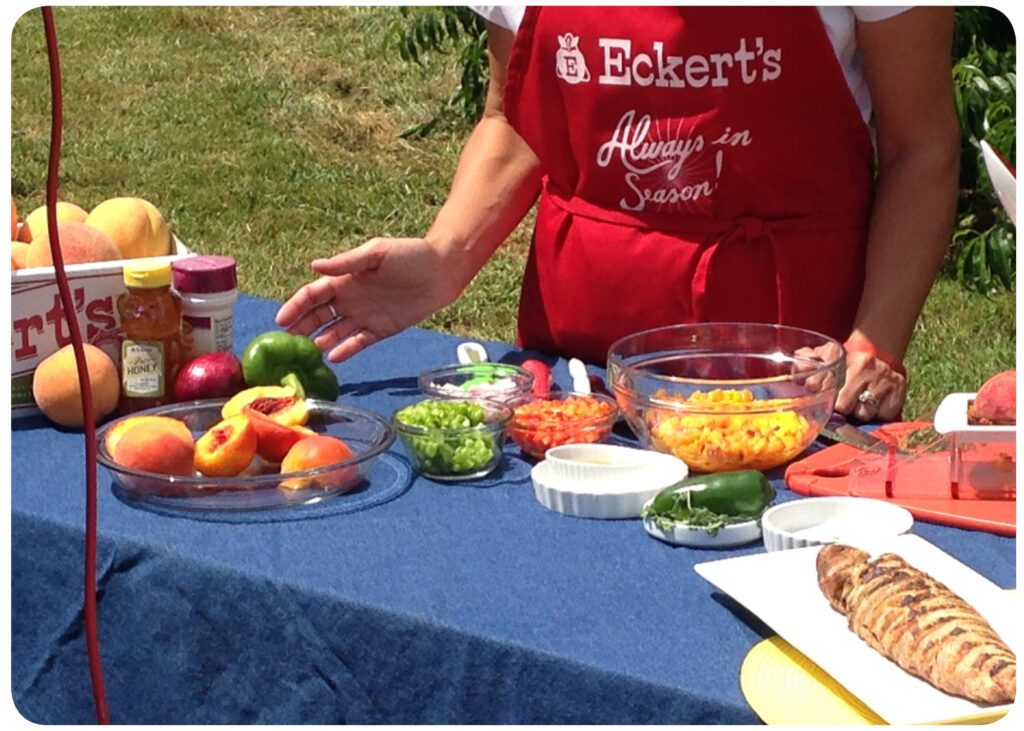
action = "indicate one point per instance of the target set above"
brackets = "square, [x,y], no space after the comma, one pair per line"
[207,286]
[727,396]
[151,351]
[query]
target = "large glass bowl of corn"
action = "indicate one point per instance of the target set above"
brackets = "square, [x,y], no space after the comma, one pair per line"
[727,396]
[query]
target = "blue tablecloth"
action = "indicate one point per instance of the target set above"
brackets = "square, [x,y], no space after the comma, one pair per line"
[452,603]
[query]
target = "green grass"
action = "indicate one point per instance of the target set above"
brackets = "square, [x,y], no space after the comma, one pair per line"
[272,135]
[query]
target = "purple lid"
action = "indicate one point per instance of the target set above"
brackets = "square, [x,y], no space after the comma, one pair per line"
[204,274]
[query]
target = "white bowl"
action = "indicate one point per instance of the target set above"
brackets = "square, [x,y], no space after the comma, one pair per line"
[607,491]
[680,534]
[816,521]
[607,462]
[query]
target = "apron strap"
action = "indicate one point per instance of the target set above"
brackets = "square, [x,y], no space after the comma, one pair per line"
[711,233]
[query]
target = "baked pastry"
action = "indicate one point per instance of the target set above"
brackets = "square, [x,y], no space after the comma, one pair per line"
[918,623]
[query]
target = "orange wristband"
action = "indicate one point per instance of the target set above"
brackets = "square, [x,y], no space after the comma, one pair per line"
[861,344]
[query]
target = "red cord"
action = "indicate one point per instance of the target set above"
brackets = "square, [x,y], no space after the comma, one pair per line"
[92,641]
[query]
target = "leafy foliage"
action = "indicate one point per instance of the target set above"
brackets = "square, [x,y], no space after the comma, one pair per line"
[448,30]
[983,253]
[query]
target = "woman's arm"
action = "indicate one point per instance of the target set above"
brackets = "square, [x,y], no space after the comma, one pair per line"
[497,178]
[907,64]
[386,285]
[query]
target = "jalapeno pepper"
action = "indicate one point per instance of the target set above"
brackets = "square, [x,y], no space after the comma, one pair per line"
[280,358]
[721,498]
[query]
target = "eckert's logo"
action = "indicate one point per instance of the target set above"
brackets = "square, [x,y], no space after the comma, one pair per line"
[570,66]
[623,65]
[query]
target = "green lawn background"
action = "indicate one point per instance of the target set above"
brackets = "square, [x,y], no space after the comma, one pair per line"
[272,135]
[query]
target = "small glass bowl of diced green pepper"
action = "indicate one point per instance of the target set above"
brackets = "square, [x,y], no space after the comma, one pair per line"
[453,439]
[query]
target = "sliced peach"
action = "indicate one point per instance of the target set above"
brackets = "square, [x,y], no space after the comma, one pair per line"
[274,439]
[280,403]
[226,448]
[318,450]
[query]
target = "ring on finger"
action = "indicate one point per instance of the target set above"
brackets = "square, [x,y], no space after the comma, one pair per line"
[867,398]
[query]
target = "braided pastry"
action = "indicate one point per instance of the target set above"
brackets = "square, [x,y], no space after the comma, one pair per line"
[918,623]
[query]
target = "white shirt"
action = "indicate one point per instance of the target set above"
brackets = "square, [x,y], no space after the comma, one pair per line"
[840,24]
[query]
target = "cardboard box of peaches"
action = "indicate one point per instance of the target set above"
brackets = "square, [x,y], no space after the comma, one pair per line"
[94,245]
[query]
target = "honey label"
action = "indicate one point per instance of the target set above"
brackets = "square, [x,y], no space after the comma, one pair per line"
[142,369]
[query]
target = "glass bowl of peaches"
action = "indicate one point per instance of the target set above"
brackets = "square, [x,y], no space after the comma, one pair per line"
[727,396]
[251,452]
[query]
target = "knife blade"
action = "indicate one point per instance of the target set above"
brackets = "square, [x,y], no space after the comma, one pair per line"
[839,430]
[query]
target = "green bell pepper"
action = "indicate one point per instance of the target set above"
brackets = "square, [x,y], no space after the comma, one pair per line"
[280,358]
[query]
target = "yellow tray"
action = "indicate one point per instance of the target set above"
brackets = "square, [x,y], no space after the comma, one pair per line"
[785,688]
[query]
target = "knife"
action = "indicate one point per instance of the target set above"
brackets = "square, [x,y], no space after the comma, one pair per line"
[839,430]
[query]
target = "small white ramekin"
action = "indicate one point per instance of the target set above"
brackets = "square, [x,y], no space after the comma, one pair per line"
[821,520]
[603,480]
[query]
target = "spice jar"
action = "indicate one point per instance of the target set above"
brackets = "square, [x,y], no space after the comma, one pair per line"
[151,350]
[207,287]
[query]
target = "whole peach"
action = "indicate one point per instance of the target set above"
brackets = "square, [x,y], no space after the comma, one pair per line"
[164,447]
[317,451]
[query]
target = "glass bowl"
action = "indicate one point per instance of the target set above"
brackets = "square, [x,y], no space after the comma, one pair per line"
[494,381]
[261,485]
[544,421]
[727,396]
[457,452]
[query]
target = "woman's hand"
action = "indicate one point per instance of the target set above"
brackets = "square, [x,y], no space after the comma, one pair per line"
[386,285]
[874,391]
[369,293]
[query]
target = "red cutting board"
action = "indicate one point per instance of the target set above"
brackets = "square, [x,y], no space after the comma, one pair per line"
[826,473]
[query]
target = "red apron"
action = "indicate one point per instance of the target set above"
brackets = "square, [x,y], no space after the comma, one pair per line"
[701,164]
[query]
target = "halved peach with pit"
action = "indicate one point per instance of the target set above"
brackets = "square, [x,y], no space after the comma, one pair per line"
[318,450]
[279,403]
[273,439]
[226,448]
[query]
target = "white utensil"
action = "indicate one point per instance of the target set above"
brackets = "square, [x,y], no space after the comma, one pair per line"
[580,377]
[469,353]
[1004,180]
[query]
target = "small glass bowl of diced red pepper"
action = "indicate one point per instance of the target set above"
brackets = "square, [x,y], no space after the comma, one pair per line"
[551,420]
